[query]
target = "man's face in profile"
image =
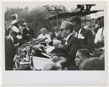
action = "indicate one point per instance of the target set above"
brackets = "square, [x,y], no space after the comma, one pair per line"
[64,33]
[76,26]
[79,58]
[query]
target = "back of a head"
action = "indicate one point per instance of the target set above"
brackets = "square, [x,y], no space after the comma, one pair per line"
[85,52]
[75,19]
[59,52]
[93,64]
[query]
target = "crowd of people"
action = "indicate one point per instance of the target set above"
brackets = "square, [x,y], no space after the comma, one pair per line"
[69,47]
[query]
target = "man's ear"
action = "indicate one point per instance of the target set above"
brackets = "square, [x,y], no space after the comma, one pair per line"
[68,31]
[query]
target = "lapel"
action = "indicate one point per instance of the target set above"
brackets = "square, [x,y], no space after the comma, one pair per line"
[64,42]
[70,39]
[11,42]
[69,42]
[83,32]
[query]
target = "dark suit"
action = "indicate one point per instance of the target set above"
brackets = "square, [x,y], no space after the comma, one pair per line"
[72,46]
[88,41]
[9,53]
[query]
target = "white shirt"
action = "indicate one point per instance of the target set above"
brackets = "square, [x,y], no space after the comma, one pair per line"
[99,35]
[76,35]
[41,36]
[49,49]
[15,29]
[79,35]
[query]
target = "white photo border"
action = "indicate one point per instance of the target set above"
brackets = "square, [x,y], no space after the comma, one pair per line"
[75,78]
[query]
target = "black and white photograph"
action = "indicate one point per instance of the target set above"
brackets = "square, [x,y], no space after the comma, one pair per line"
[54,42]
[54,37]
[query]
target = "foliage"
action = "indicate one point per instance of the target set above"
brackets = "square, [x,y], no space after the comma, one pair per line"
[37,17]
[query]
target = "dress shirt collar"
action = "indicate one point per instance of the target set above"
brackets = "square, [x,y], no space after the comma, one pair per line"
[79,31]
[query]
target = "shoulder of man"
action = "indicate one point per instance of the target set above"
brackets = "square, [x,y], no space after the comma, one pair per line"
[73,39]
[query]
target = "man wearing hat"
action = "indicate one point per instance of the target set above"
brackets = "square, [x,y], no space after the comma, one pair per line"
[10,50]
[85,37]
[70,43]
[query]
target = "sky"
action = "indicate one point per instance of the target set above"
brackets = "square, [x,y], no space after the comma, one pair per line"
[68,5]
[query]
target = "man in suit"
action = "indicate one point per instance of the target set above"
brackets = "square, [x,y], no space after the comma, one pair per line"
[10,50]
[28,33]
[85,37]
[70,42]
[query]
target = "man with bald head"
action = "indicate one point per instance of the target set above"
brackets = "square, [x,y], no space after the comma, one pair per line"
[70,42]
[44,35]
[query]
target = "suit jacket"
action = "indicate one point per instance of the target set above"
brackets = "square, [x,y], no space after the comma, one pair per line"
[29,32]
[71,47]
[88,40]
[9,53]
